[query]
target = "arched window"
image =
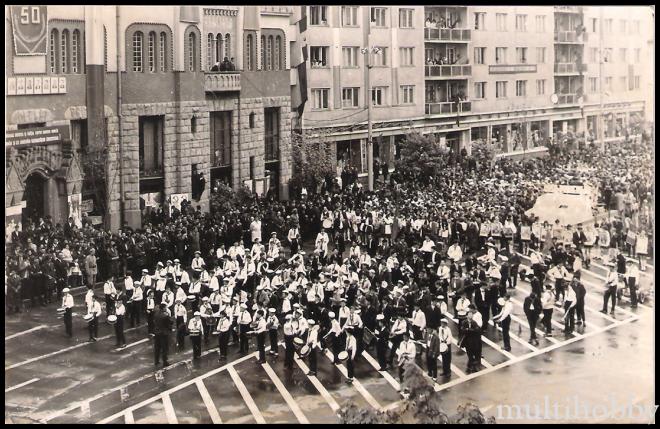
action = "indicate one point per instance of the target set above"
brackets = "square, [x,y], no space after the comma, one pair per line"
[249,49]
[277,60]
[219,47]
[75,51]
[192,51]
[228,46]
[269,53]
[152,52]
[64,51]
[263,52]
[53,51]
[162,46]
[209,51]
[137,51]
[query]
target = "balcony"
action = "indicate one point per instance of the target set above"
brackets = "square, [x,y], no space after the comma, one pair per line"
[511,68]
[567,68]
[276,10]
[567,98]
[570,37]
[447,108]
[448,71]
[222,81]
[568,9]
[447,35]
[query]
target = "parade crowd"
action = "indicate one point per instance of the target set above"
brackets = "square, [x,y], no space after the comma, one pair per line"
[346,269]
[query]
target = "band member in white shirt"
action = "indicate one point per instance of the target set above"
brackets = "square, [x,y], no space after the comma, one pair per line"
[398,329]
[313,343]
[196,330]
[224,325]
[418,322]
[504,317]
[151,307]
[334,333]
[197,263]
[93,324]
[406,353]
[181,320]
[67,304]
[109,291]
[455,253]
[168,299]
[272,324]
[260,330]
[445,338]
[206,311]
[244,320]
[351,348]
[120,312]
[289,334]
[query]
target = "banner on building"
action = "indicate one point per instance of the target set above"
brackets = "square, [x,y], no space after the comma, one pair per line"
[75,208]
[37,136]
[153,199]
[175,201]
[30,29]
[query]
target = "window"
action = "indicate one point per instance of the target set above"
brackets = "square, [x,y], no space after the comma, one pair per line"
[75,52]
[79,135]
[378,95]
[407,94]
[540,87]
[480,20]
[349,97]
[500,21]
[638,53]
[380,57]
[277,54]
[209,51]
[593,85]
[227,46]
[251,119]
[320,98]
[220,138]
[623,55]
[636,80]
[151,57]
[378,16]
[263,53]
[608,83]
[349,16]
[594,25]
[137,52]
[479,55]
[405,18]
[161,51]
[349,56]
[593,55]
[521,88]
[318,15]
[193,125]
[500,55]
[272,133]
[406,56]
[623,26]
[540,23]
[623,83]
[607,26]
[500,89]
[607,55]
[151,145]
[64,51]
[521,55]
[249,52]
[319,56]
[540,55]
[269,53]
[53,51]
[480,90]
[521,23]
[192,51]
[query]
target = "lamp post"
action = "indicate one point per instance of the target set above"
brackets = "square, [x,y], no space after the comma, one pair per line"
[370,147]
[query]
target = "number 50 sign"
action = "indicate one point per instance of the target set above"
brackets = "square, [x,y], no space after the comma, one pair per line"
[30,29]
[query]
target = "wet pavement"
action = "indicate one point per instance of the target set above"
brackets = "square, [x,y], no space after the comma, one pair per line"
[51,378]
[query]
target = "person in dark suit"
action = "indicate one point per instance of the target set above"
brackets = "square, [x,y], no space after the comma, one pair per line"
[580,293]
[482,302]
[532,308]
[162,328]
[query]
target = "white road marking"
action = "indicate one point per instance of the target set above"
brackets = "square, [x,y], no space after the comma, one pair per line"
[487,341]
[538,331]
[169,409]
[358,386]
[18,334]
[128,418]
[385,374]
[208,401]
[38,358]
[513,336]
[131,345]
[452,366]
[247,398]
[460,373]
[322,390]
[285,394]
[25,383]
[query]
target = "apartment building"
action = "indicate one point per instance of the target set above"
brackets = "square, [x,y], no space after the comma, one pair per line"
[172,125]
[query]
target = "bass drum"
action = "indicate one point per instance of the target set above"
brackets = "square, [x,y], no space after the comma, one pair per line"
[443,347]
[304,351]
[342,356]
[327,223]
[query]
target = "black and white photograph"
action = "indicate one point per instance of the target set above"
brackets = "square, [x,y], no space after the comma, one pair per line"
[330,214]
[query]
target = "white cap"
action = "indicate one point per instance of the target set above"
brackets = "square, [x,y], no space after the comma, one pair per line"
[380,317]
[311,322]
[271,310]
[197,313]
[243,306]
[331,314]
[65,290]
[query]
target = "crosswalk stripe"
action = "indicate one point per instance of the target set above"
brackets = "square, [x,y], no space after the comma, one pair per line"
[487,341]
[460,373]
[514,336]
[285,394]
[322,390]
[128,417]
[519,320]
[452,366]
[18,334]
[21,385]
[169,409]
[132,344]
[208,401]
[358,386]
[247,398]
[385,374]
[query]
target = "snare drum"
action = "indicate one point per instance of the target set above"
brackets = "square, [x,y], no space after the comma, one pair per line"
[327,223]
[298,343]
[342,356]
[462,313]
[443,347]
[61,310]
[88,317]
[191,298]
[112,319]
[304,351]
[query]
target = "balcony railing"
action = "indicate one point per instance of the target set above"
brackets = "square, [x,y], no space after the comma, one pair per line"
[568,9]
[511,68]
[222,81]
[448,71]
[447,107]
[570,37]
[447,34]
[567,68]
[567,98]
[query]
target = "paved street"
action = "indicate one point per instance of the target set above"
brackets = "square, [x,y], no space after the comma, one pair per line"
[50,378]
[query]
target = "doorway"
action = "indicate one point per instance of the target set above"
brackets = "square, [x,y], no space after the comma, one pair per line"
[34,196]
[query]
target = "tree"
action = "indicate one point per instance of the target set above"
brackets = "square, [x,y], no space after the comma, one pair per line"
[483,152]
[224,199]
[421,157]
[312,162]
[422,405]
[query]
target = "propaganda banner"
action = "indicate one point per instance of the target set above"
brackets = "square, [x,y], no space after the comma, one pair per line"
[29,26]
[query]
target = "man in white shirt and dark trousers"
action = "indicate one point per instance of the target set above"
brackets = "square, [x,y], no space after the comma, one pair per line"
[406,352]
[224,325]
[445,338]
[272,324]
[504,317]
[109,290]
[312,342]
[632,274]
[260,330]
[120,312]
[569,309]
[136,304]
[93,324]
[67,304]
[196,330]
[289,333]
[611,285]
[351,348]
